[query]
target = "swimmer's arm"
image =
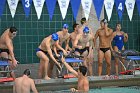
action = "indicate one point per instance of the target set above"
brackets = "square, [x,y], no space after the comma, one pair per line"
[58,46]
[51,55]
[69,48]
[112,37]
[10,48]
[54,49]
[33,87]
[107,30]
[85,90]
[95,38]
[91,31]
[91,45]
[92,41]
[69,67]
[67,44]
[125,37]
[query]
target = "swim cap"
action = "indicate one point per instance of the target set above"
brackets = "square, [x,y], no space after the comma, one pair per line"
[65,26]
[86,30]
[55,37]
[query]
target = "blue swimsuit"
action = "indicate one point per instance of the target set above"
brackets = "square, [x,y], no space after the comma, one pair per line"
[118,41]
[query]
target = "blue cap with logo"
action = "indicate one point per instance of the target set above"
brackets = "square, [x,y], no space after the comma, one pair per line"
[65,26]
[55,37]
[86,30]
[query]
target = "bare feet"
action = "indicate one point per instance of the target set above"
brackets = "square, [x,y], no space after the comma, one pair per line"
[47,78]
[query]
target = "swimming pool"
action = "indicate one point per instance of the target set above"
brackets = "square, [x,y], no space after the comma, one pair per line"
[132,89]
[97,84]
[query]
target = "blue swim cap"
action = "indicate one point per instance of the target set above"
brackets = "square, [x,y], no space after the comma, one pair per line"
[86,30]
[55,37]
[65,26]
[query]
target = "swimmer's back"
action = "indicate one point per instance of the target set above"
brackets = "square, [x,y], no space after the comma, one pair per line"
[23,84]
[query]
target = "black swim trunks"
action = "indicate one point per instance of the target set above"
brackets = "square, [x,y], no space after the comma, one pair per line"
[38,49]
[4,50]
[81,51]
[104,49]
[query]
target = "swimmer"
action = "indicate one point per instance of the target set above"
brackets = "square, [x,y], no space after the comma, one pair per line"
[104,33]
[24,83]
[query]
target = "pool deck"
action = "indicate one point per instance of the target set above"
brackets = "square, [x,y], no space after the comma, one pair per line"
[63,84]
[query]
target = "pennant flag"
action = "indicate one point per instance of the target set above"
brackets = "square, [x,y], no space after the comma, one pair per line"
[120,7]
[86,4]
[138,5]
[26,5]
[63,4]
[130,7]
[38,7]
[2,5]
[75,4]
[98,4]
[109,7]
[50,6]
[12,5]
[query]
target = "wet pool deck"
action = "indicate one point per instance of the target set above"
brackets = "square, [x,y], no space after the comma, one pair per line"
[63,84]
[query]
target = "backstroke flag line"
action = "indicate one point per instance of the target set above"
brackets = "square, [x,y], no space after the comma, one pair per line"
[2,5]
[27,5]
[109,7]
[38,7]
[50,6]
[120,7]
[63,4]
[75,4]
[130,7]
[12,6]
[138,5]
[98,4]
[86,4]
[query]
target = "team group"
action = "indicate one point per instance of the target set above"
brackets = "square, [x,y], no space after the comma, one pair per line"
[83,43]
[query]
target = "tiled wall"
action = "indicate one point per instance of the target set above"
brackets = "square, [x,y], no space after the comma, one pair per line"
[31,31]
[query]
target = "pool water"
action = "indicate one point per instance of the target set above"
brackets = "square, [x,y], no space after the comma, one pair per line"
[132,89]
[116,90]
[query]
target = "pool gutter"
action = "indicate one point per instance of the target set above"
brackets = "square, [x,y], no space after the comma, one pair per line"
[63,84]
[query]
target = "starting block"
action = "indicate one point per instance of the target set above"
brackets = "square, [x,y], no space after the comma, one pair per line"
[6,79]
[135,71]
[73,60]
[128,72]
[67,76]
[132,57]
[4,65]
